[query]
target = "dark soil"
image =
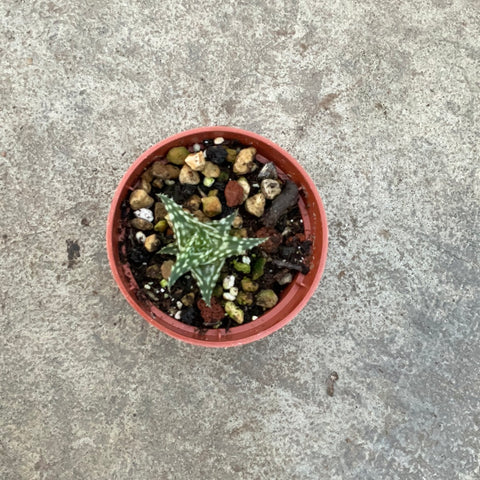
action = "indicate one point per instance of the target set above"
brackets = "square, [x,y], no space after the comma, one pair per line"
[288,252]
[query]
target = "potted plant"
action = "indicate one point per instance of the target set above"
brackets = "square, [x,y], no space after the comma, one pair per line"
[201,242]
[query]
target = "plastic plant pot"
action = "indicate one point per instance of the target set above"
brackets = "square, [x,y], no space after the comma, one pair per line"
[293,298]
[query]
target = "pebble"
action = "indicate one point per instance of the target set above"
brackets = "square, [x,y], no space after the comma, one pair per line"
[178,315]
[165,171]
[218,140]
[188,299]
[246,260]
[161,226]
[144,185]
[244,298]
[217,154]
[188,176]
[287,278]
[144,213]
[234,291]
[228,282]
[177,155]
[211,170]
[158,183]
[197,147]
[243,182]
[152,242]
[244,162]
[229,296]
[208,181]
[193,203]
[166,269]
[212,206]
[140,199]
[231,155]
[234,312]
[268,171]
[254,317]
[237,222]
[271,188]
[233,193]
[153,271]
[266,298]
[141,224]
[147,175]
[249,285]
[179,304]
[140,237]
[196,161]
[256,205]
[160,211]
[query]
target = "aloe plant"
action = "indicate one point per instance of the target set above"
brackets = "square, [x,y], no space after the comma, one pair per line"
[201,248]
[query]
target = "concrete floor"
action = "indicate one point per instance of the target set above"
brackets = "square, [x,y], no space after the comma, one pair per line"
[379,100]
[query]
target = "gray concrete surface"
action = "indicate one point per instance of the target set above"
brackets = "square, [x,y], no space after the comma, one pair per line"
[379,100]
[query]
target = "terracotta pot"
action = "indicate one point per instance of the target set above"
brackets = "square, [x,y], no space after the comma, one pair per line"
[293,298]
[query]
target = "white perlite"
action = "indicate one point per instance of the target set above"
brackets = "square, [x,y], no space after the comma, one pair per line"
[144,213]
[228,282]
[140,237]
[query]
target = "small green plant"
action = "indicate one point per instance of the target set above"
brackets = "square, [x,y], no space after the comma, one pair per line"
[202,248]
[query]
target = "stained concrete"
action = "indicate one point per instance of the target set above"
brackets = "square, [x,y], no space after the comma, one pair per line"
[379,101]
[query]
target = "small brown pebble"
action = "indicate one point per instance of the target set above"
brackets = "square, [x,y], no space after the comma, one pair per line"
[141,224]
[196,161]
[147,175]
[233,193]
[193,203]
[211,170]
[255,205]
[154,271]
[140,199]
[144,185]
[85,222]
[212,206]
[244,162]
[152,242]
[189,176]
[332,378]
[165,171]
[271,188]
[188,299]
[160,211]
[237,222]
[243,182]
[158,183]
[166,269]
[199,215]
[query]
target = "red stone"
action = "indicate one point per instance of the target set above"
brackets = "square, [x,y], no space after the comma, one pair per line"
[211,314]
[233,193]
[274,239]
